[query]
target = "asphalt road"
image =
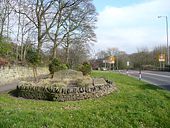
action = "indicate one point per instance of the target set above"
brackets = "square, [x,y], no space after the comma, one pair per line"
[161,79]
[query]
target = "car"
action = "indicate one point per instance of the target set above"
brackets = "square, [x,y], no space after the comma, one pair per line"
[103,68]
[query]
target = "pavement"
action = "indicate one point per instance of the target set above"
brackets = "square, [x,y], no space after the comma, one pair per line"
[158,78]
[12,85]
[8,87]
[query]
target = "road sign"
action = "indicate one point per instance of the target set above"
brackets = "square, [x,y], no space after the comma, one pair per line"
[111,59]
[162,58]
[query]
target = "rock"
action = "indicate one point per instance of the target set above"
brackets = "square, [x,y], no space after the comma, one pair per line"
[99,81]
[69,74]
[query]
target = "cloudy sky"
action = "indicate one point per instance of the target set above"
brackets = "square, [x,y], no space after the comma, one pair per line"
[131,24]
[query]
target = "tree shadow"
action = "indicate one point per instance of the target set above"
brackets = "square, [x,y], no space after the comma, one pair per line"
[13,93]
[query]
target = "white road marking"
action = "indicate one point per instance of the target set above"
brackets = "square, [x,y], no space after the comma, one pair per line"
[158,79]
[165,79]
[156,75]
[136,73]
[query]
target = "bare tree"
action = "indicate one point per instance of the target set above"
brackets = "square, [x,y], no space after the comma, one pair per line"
[4,16]
[62,12]
[78,53]
[79,25]
[18,29]
[57,26]
[34,11]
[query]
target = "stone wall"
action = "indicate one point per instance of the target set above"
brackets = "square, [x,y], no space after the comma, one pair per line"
[65,93]
[9,75]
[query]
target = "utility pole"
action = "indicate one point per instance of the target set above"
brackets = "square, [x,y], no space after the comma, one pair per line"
[166,19]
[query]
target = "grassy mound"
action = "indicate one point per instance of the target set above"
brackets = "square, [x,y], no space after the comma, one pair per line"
[136,104]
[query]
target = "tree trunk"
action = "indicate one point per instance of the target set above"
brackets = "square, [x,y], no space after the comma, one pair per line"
[24,53]
[22,41]
[8,20]
[18,33]
[17,49]
[2,28]
[3,18]
[67,55]
[39,39]
[1,33]
[35,73]
[22,37]
[39,47]
[52,75]
[54,51]
[33,69]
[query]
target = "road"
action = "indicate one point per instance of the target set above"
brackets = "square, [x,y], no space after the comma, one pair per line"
[161,79]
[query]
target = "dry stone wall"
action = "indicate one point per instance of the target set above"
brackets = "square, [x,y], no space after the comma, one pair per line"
[9,75]
[65,93]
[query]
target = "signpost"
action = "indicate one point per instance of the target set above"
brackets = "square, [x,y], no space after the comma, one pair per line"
[140,74]
[110,60]
[127,63]
[162,60]
[104,61]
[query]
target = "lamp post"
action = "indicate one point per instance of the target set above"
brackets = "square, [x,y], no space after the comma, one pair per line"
[166,18]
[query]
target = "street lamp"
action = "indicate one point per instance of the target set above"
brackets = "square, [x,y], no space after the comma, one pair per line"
[166,18]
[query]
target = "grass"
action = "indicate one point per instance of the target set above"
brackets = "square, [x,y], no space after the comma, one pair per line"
[136,104]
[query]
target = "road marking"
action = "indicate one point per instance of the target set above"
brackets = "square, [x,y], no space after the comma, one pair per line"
[150,82]
[158,79]
[156,75]
[135,74]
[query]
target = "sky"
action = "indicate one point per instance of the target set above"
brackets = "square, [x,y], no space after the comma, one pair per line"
[130,25]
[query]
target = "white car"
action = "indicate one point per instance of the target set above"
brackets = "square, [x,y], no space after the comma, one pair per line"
[103,69]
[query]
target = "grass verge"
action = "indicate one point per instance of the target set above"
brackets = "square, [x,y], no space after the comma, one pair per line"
[135,104]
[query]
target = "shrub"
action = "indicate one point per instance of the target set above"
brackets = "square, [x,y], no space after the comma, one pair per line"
[5,47]
[55,66]
[34,59]
[85,68]
[84,81]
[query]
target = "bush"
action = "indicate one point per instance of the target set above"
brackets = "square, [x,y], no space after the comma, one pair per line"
[55,66]
[85,68]
[34,59]
[84,81]
[6,48]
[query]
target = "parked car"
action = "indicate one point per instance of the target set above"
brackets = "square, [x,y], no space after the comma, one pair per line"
[103,69]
